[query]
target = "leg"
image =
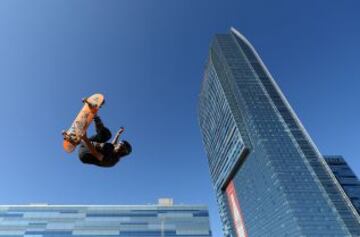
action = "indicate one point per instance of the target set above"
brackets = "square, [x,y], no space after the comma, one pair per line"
[103,134]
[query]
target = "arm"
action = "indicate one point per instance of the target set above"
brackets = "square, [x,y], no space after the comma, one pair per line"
[92,149]
[116,139]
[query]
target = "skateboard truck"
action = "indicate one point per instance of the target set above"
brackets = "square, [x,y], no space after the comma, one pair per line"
[65,134]
[92,106]
[68,137]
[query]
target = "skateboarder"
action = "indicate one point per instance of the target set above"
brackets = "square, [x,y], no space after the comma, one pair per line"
[97,151]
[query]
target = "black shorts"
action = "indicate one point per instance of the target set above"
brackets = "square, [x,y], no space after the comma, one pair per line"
[102,135]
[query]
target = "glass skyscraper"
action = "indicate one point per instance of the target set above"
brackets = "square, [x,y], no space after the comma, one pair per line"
[346,177]
[104,221]
[269,177]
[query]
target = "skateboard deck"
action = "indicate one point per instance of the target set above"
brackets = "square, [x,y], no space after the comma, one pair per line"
[72,136]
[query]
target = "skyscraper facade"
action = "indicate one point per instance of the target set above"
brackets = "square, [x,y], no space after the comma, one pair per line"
[104,221]
[269,177]
[346,177]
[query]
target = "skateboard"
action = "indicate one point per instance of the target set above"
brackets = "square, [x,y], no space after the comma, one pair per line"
[72,136]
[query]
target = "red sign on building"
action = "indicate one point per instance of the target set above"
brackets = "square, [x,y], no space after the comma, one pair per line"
[235,210]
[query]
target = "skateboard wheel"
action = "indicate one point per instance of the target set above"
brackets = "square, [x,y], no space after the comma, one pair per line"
[102,103]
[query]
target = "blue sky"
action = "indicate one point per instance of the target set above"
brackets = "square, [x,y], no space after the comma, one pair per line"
[148,58]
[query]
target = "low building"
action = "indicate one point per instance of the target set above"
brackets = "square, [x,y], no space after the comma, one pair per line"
[164,220]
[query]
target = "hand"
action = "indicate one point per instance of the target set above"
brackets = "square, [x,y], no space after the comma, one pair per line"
[83,136]
[121,130]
